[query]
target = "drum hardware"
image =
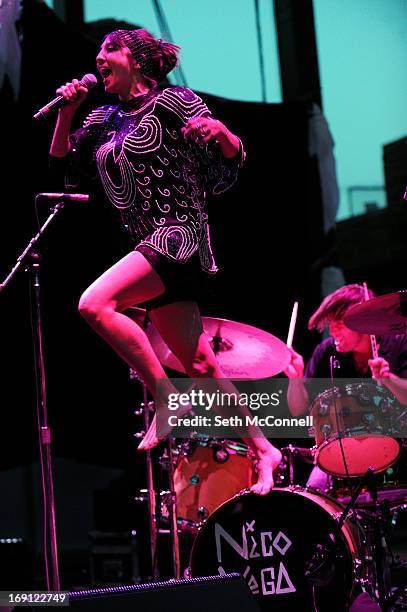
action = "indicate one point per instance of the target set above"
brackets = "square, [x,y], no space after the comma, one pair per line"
[141,496]
[378,521]
[182,449]
[290,454]
[398,594]
[323,408]
[295,488]
[220,455]
[145,409]
[396,513]
[173,511]
[320,569]
[376,526]
[368,480]
[280,474]
[202,513]
[164,459]
[390,485]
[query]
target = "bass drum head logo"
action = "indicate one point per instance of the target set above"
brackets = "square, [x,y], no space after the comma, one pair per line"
[271,541]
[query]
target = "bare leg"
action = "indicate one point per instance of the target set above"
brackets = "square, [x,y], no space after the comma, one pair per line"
[133,280]
[180,326]
[130,281]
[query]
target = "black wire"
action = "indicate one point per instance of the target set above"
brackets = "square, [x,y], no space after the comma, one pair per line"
[331,362]
[261,55]
[165,31]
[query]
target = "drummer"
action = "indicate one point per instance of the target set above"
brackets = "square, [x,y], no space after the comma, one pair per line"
[351,355]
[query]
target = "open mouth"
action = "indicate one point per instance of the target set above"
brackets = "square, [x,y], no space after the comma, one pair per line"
[105,73]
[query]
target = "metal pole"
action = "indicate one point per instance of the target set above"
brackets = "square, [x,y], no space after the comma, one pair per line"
[260,49]
[151,494]
[151,490]
[45,438]
[174,513]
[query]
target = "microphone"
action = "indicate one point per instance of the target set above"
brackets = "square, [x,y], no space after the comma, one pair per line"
[88,81]
[335,363]
[77,197]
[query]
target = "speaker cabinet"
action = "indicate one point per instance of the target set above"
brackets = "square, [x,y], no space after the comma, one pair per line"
[215,593]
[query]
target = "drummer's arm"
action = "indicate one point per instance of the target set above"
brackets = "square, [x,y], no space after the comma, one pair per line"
[381,372]
[297,394]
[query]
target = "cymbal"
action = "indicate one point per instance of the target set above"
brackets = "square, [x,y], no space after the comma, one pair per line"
[242,351]
[385,315]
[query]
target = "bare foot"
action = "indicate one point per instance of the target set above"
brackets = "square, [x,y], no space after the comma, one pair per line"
[151,439]
[267,461]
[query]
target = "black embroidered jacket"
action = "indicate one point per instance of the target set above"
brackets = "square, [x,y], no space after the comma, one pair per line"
[156,179]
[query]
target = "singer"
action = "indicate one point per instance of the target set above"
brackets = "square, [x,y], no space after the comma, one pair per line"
[156,153]
[345,354]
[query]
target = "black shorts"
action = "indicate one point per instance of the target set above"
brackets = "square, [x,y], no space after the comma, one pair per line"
[182,281]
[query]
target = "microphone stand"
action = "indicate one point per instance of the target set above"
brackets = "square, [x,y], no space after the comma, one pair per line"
[333,364]
[30,256]
[29,249]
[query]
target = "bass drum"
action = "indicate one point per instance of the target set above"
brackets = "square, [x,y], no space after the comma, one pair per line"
[276,540]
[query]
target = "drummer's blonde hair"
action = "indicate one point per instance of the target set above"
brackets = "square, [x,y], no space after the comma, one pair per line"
[336,304]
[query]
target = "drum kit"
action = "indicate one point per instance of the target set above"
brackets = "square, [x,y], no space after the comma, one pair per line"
[297,547]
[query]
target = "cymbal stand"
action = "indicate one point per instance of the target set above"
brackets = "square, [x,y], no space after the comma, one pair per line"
[324,555]
[367,479]
[381,552]
[174,514]
[290,451]
[145,409]
[168,463]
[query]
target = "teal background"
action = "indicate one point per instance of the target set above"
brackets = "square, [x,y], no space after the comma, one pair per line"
[362,48]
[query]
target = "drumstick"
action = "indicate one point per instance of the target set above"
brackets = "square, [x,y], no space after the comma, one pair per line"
[292,325]
[373,342]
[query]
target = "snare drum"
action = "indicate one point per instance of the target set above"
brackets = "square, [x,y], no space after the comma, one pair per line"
[288,547]
[363,427]
[208,472]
